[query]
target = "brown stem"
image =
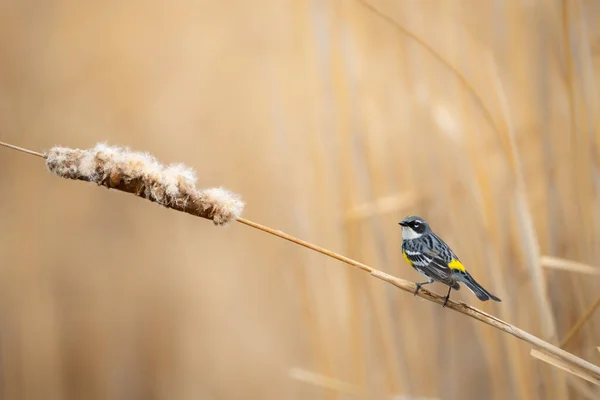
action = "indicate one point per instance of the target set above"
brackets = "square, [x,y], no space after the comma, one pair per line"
[13,147]
[425,294]
[579,324]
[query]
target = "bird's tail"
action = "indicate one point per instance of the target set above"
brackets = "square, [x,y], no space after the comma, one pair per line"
[477,289]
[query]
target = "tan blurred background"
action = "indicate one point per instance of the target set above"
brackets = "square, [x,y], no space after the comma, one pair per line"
[333,124]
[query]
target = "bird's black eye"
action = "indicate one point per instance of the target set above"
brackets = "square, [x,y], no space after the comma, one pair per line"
[416,224]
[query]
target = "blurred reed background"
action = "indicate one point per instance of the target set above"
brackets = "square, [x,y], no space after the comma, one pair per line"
[333,123]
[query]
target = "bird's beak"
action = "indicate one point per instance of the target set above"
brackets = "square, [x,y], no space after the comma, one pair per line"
[402,223]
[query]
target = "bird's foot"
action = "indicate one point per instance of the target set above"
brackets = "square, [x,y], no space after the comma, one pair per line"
[418,286]
[445,301]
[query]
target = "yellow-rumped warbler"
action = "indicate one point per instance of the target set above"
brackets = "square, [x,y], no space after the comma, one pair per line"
[431,256]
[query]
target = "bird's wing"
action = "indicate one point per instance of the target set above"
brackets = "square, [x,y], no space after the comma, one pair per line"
[449,251]
[431,264]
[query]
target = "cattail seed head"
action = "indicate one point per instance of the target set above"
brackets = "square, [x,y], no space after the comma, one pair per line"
[172,186]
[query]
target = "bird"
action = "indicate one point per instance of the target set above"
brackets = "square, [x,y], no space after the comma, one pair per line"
[427,253]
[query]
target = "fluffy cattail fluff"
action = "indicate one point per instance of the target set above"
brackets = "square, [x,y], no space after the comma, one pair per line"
[172,186]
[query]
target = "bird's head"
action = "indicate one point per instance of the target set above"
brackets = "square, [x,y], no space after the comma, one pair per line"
[414,227]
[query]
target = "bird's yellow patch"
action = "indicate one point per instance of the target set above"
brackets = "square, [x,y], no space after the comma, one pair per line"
[457,265]
[406,258]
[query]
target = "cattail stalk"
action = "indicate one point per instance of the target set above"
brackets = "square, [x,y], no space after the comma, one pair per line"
[172,186]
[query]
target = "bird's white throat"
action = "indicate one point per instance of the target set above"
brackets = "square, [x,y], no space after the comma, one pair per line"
[408,233]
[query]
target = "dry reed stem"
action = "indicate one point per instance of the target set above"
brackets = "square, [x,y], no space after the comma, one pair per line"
[377,305]
[326,382]
[464,81]
[579,324]
[383,205]
[526,225]
[525,217]
[582,388]
[463,308]
[340,386]
[552,360]
[568,265]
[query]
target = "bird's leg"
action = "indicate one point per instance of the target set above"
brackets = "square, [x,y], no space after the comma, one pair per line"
[447,297]
[419,284]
